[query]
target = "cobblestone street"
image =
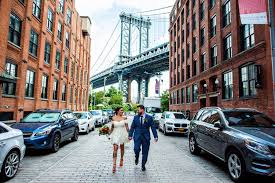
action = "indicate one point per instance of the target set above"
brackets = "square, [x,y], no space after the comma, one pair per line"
[90,160]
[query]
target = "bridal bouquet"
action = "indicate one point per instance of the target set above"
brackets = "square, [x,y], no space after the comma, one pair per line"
[104,130]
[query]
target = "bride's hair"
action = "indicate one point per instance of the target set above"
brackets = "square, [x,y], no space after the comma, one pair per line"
[117,109]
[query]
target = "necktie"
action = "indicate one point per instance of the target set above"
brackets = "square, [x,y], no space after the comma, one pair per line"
[141,120]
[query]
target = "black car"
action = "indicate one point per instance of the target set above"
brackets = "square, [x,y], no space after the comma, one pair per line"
[242,138]
[46,129]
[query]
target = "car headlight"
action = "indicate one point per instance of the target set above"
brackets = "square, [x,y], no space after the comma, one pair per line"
[169,123]
[83,122]
[44,132]
[255,146]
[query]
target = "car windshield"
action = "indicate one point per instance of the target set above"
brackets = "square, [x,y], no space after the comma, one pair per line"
[178,116]
[81,115]
[157,115]
[41,117]
[96,113]
[109,111]
[249,119]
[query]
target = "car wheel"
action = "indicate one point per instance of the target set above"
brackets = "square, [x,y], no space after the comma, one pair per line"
[93,128]
[56,143]
[76,134]
[10,165]
[235,166]
[193,146]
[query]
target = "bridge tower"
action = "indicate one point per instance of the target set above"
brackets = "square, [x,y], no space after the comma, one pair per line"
[129,22]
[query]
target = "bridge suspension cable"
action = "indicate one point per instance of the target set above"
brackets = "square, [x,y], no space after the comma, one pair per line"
[157,9]
[105,45]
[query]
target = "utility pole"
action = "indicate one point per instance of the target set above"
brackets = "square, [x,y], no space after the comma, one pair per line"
[272,43]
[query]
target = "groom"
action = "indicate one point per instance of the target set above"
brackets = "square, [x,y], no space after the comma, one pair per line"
[140,129]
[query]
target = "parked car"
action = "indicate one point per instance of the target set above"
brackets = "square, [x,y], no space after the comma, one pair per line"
[46,129]
[110,113]
[86,121]
[157,117]
[98,115]
[242,138]
[12,151]
[105,117]
[174,122]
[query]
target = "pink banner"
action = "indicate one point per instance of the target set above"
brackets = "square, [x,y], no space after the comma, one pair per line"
[253,11]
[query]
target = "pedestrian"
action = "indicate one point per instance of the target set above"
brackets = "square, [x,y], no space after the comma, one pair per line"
[119,135]
[140,131]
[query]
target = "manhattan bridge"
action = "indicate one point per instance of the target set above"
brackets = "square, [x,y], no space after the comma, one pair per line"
[142,65]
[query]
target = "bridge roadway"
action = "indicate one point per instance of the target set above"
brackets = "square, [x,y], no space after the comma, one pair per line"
[144,65]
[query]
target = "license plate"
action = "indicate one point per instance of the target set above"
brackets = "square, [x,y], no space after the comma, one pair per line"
[181,129]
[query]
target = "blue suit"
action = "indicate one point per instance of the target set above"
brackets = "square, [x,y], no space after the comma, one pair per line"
[141,135]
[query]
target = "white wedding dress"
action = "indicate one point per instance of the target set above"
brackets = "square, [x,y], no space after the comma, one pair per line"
[119,135]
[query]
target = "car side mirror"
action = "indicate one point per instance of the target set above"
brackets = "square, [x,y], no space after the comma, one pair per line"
[162,117]
[218,125]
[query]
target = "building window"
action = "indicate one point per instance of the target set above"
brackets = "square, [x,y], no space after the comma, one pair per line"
[195,93]
[194,21]
[188,50]
[179,75]
[182,96]
[36,8]
[248,81]
[72,70]
[55,89]
[194,68]
[178,41]
[69,16]
[29,84]
[194,3]
[64,91]
[213,26]
[50,20]
[15,29]
[33,43]
[203,62]
[59,31]
[66,62]
[248,37]
[9,88]
[226,11]
[47,53]
[71,96]
[182,75]
[182,36]
[202,11]
[178,96]
[61,6]
[67,40]
[194,43]
[178,24]
[188,93]
[227,85]
[227,45]
[214,55]
[202,37]
[57,60]
[188,74]
[188,29]
[212,3]
[188,8]
[44,92]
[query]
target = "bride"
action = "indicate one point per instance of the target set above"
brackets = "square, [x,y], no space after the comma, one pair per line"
[119,135]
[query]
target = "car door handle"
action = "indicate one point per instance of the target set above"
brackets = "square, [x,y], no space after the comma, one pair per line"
[2,144]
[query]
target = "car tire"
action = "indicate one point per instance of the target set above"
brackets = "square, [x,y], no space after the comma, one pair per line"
[93,128]
[12,157]
[193,146]
[56,143]
[76,135]
[235,166]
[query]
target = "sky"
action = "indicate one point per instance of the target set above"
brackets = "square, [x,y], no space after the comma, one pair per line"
[104,15]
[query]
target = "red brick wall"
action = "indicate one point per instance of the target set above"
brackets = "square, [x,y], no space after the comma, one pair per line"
[79,53]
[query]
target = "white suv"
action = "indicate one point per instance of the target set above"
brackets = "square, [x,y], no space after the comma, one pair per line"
[12,151]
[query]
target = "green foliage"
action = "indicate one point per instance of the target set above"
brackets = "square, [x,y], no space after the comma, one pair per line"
[165,101]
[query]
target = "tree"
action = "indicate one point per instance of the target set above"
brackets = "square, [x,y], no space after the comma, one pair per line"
[99,97]
[165,101]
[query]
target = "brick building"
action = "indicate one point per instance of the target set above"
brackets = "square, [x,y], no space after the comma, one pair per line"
[44,57]
[216,61]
